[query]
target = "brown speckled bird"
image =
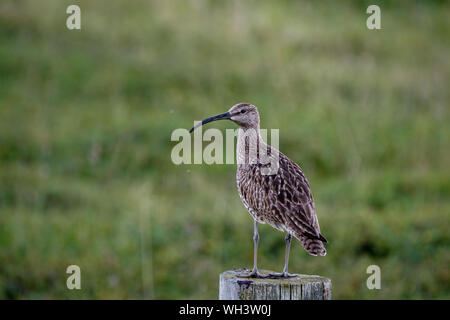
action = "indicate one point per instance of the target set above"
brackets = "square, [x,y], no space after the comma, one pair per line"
[272,187]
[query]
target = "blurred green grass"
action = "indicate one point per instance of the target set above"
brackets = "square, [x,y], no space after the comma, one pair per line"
[86,118]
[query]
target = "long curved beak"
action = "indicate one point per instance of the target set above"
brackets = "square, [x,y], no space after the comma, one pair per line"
[222,116]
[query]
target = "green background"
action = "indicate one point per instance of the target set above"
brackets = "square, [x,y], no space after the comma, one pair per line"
[86,118]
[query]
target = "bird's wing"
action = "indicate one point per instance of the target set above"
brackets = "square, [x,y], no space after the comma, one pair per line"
[291,196]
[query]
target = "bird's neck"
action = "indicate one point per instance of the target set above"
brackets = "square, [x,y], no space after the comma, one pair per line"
[249,144]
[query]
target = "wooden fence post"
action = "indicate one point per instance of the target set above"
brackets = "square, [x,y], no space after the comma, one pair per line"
[301,287]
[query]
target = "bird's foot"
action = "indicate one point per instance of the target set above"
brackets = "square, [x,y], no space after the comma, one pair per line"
[283,274]
[254,274]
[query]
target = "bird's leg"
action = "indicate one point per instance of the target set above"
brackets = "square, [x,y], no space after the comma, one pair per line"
[254,273]
[285,272]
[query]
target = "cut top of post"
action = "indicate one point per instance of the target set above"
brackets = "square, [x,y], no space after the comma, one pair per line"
[300,287]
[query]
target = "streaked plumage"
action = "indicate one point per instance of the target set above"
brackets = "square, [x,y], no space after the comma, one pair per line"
[283,201]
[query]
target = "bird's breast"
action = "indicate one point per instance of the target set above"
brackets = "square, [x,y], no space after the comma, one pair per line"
[256,196]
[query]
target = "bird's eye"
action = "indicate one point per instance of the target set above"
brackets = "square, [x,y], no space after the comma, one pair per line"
[243,111]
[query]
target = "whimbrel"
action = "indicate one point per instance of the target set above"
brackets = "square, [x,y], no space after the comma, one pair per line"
[281,198]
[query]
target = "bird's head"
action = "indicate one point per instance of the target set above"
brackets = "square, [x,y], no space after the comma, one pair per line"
[243,114]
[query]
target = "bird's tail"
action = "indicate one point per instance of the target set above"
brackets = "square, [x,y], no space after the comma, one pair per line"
[313,246]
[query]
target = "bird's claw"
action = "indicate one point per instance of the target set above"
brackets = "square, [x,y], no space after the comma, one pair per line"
[255,274]
[282,275]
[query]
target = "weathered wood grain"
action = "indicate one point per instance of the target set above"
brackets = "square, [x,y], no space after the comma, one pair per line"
[301,287]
